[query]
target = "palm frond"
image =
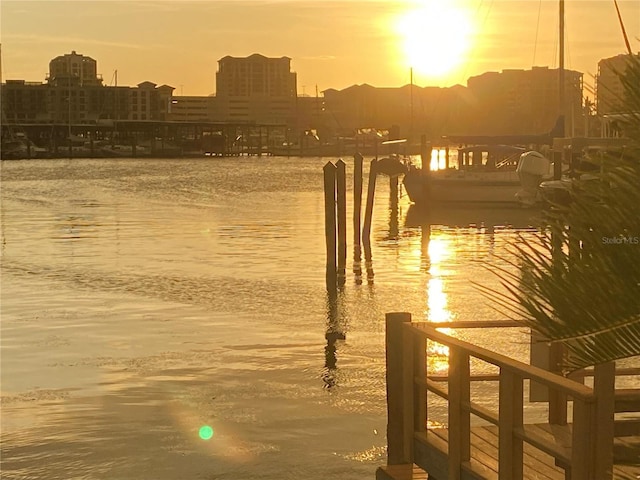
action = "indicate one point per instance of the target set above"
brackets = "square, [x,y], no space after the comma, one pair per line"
[578,280]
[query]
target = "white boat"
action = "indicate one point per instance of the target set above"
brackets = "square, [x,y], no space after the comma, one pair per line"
[512,181]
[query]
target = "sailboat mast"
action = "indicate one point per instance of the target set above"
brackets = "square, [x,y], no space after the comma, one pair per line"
[624,31]
[561,99]
[411,102]
[69,84]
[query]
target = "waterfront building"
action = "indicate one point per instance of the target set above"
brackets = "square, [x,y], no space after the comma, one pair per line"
[519,102]
[194,109]
[609,89]
[256,89]
[261,90]
[148,102]
[311,116]
[73,93]
[74,68]
[413,109]
[36,102]
[24,102]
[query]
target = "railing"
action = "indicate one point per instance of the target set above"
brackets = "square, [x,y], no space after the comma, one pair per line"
[586,449]
[509,161]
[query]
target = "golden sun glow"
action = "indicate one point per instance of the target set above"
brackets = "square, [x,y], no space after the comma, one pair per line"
[436,37]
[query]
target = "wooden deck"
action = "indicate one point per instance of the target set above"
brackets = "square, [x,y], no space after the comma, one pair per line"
[431,450]
[590,445]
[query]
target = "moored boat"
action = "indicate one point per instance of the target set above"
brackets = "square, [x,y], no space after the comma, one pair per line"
[511,180]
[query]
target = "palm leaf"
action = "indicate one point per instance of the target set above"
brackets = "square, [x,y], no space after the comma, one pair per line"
[578,280]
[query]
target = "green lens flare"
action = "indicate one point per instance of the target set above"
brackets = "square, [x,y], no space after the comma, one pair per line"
[206,432]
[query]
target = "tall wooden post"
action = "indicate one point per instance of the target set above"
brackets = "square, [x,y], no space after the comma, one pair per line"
[393,197]
[425,155]
[371,192]
[368,214]
[330,223]
[604,386]
[341,184]
[357,207]
[399,380]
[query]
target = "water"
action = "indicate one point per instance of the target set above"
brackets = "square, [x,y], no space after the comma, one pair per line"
[145,299]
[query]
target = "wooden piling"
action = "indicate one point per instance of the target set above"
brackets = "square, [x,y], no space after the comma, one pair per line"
[393,188]
[425,155]
[371,192]
[393,204]
[330,223]
[357,207]
[341,189]
[368,214]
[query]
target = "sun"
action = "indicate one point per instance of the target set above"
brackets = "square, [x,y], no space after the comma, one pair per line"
[435,37]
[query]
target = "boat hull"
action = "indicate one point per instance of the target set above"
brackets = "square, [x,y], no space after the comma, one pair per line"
[474,189]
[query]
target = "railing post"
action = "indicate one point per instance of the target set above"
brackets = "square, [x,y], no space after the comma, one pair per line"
[420,390]
[583,441]
[510,418]
[604,380]
[557,400]
[409,392]
[459,414]
[399,440]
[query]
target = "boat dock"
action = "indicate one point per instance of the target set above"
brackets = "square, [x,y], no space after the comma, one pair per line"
[591,430]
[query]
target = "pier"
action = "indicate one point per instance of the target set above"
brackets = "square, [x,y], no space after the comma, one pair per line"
[591,430]
[161,138]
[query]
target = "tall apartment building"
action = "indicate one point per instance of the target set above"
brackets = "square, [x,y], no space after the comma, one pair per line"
[609,89]
[515,102]
[74,68]
[256,89]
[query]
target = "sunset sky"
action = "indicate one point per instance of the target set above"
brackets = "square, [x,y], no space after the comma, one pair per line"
[332,44]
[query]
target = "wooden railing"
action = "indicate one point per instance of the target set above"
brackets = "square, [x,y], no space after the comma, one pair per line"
[585,451]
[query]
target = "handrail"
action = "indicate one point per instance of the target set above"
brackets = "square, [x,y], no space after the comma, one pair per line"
[564,385]
[508,160]
[584,456]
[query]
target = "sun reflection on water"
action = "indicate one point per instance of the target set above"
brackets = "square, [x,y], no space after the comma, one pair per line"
[438,251]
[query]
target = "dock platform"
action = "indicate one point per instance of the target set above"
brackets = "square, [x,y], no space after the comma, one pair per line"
[584,438]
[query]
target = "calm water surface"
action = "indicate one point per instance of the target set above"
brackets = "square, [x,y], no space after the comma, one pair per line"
[144,299]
